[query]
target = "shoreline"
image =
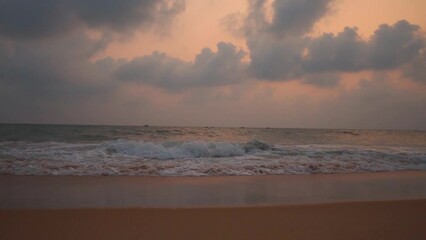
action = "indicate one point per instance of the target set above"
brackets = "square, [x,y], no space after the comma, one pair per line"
[221,176]
[298,207]
[75,192]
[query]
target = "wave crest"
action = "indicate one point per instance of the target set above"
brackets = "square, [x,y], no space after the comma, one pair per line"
[179,150]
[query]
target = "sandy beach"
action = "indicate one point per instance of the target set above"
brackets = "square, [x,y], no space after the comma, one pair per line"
[345,206]
[361,220]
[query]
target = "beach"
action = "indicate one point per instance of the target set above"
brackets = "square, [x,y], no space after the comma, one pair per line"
[360,220]
[244,119]
[340,206]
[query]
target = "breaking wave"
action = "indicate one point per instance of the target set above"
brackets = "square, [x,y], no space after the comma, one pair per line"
[175,150]
[183,150]
[201,158]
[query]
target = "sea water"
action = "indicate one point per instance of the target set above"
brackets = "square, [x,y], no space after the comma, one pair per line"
[204,151]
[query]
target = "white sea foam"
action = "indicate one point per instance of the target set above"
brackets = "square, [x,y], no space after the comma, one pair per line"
[173,150]
[201,158]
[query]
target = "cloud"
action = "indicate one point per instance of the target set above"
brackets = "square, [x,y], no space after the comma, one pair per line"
[296,17]
[275,60]
[27,19]
[323,80]
[278,18]
[275,35]
[378,103]
[208,69]
[48,72]
[55,60]
[417,69]
[280,49]
[55,71]
[391,47]
[344,52]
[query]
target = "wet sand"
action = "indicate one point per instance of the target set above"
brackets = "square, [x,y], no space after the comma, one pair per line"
[344,206]
[18,192]
[360,220]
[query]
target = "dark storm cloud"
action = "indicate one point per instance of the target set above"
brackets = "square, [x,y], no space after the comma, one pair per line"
[26,19]
[208,69]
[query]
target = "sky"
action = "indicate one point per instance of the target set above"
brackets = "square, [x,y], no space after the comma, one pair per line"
[253,63]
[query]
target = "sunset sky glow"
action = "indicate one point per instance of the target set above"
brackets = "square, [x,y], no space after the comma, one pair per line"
[255,63]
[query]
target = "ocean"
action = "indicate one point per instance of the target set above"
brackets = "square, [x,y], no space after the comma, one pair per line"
[204,151]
